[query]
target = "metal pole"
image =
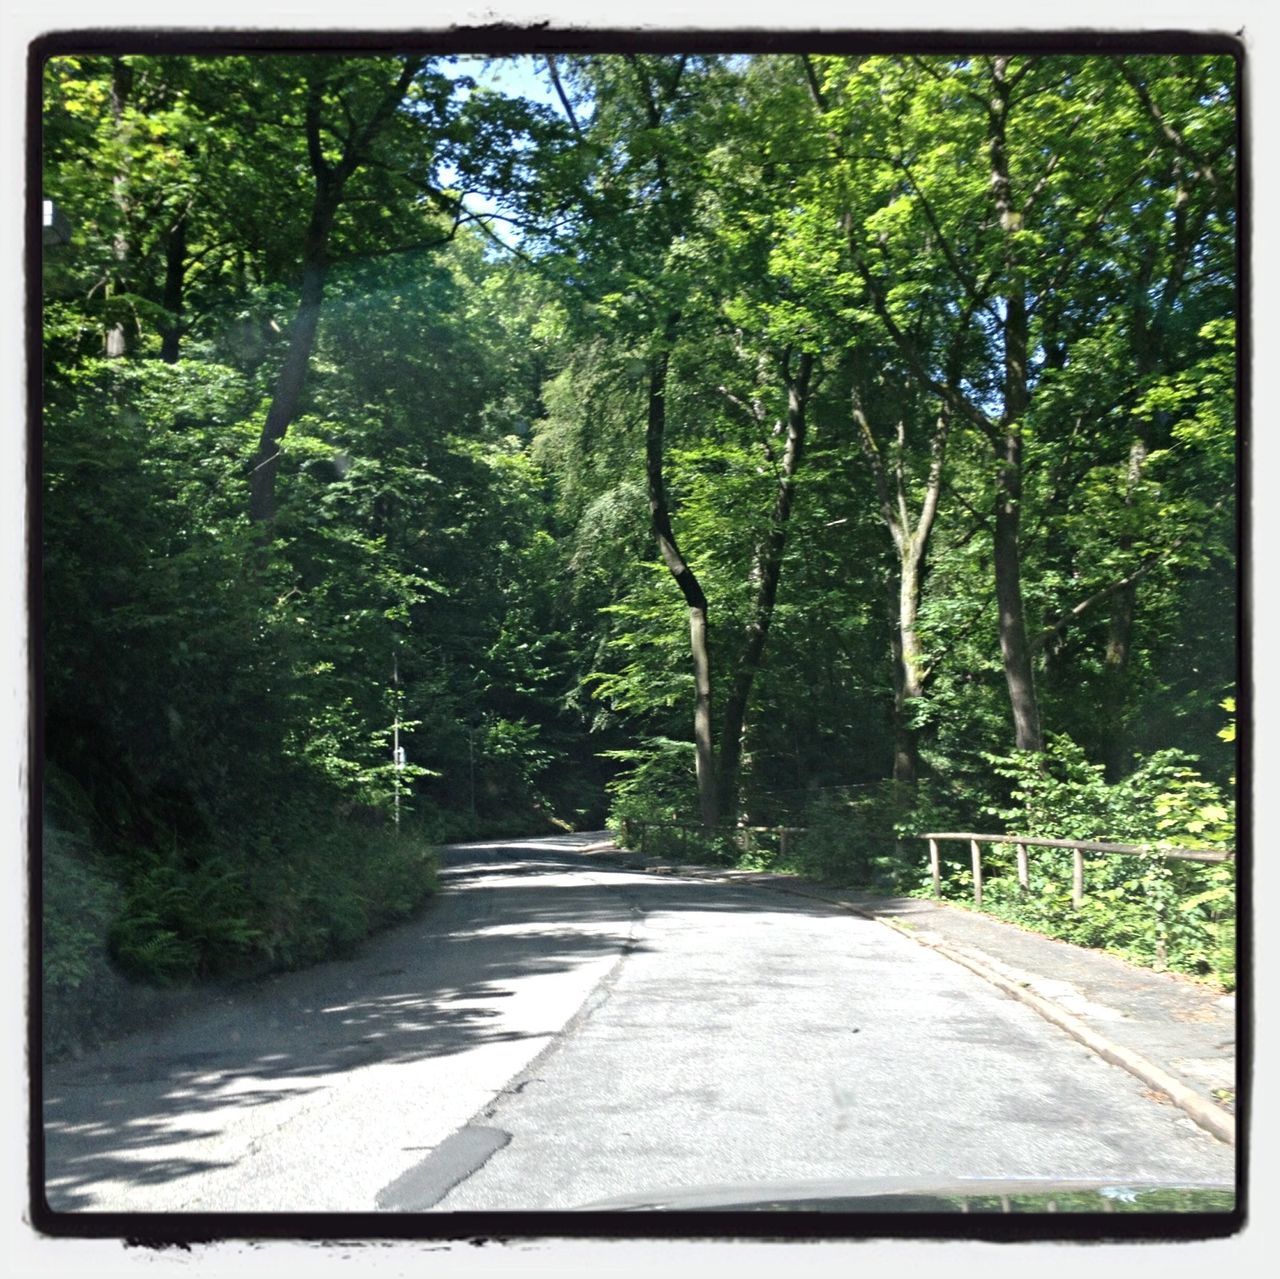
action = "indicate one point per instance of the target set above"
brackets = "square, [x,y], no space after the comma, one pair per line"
[395,742]
[471,750]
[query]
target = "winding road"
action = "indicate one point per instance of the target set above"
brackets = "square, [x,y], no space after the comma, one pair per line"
[558,1029]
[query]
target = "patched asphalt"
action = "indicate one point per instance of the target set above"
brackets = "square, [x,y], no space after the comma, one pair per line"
[563,1025]
[757,1037]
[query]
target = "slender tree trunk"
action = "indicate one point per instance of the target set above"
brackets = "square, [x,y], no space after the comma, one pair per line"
[685,578]
[705,765]
[911,545]
[286,396]
[121,85]
[1124,608]
[908,682]
[766,573]
[1014,646]
[175,264]
[1124,600]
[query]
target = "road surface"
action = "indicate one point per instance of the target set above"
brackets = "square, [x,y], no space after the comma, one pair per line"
[556,1030]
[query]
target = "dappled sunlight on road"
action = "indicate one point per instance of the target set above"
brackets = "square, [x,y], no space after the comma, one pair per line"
[516,941]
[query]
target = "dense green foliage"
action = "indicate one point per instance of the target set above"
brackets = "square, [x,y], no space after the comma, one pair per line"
[1159,911]
[367,388]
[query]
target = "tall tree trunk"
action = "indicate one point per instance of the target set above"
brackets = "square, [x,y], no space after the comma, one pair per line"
[121,86]
[175,267]
[286,397]
[767,570]
[685,578]
[1014,646]
[1124,608]
[911,544]
[1124,600]
[908,681]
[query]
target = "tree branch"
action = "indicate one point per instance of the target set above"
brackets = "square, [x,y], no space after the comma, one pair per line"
[815,89]
[1179,142]
[564,98]
[980,300]
[354,153]
[871,450]
[1152,561]
[315,149]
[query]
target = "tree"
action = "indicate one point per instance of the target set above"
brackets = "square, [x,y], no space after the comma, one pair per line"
[366,98]
[671,131]
[1002,222]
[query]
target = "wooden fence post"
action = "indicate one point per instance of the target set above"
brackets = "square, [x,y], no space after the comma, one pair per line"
[1024,880]
[977,872]
[935,868]
[782,844]
[1077,879]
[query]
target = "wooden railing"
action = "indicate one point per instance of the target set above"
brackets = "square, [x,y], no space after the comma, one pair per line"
[1078,846]
[742,836]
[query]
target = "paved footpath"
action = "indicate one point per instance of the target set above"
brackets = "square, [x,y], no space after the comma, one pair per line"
[1180,1035]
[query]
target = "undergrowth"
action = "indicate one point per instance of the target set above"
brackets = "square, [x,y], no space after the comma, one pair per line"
[178,915]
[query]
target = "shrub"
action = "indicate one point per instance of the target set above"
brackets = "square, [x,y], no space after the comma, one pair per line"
[187,914]
[1155,910]
[656,785]
[848,841]
[81,990]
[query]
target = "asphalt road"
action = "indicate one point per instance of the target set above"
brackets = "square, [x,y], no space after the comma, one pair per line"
[557,1030]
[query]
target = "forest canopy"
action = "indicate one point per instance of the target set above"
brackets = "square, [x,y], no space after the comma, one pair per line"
[838,440]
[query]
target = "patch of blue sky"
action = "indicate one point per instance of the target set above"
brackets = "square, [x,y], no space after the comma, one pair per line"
[518,76]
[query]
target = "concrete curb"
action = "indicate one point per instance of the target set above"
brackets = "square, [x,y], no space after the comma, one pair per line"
[1213,1119]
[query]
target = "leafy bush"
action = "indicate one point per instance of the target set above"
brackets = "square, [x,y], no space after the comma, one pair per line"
[281,903]
[867,839]
[657,784]
[849,841]
[189,913]
[81,991]
[1155,910]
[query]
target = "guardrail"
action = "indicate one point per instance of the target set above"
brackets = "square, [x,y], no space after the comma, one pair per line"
[1078,846]
[743,836]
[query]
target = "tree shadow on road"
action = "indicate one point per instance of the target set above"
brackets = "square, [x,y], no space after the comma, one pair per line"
[150,1108]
